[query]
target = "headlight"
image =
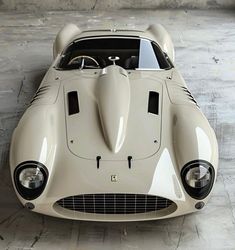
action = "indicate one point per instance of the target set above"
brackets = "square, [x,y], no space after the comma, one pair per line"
[198,178]
[30,179]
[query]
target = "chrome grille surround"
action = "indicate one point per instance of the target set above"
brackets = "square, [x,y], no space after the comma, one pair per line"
[114,203]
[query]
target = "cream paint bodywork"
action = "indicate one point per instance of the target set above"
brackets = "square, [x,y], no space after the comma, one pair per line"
[47,134]
[106,103]
[113,99]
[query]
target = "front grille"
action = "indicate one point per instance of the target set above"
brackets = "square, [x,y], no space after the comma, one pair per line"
[114,203]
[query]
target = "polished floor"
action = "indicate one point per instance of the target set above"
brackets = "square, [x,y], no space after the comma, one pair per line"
[205,53]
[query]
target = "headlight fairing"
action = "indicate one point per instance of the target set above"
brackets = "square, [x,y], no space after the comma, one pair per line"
[30,179]
[198,178]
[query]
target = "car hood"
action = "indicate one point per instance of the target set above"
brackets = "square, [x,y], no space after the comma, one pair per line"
[119,114]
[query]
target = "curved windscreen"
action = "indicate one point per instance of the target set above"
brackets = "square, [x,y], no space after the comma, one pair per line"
[129,53]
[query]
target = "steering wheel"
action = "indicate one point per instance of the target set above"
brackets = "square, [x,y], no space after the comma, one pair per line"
[83,57]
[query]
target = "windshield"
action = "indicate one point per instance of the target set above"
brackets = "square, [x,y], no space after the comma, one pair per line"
[129,53]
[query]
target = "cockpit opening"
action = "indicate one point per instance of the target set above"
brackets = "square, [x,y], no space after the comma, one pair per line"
[128,52]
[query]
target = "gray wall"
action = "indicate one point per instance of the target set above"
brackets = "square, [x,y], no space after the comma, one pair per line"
[34,5]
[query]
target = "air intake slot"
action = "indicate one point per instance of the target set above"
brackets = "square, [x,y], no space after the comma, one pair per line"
[190,96]
[73,104]
[115,203]
[40,93]
[153,104]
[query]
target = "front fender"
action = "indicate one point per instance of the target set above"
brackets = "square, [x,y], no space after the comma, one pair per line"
[35,137]
[193,137]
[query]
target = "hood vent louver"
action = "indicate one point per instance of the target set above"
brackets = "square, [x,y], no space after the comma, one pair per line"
[180,95]
[46,95]
[190,96]
[153,104]
[39,94]
[73,104]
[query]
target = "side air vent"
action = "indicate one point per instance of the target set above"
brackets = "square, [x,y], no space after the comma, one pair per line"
[189,95]
[73,105]
[40,93]
[179,94]
[153,104]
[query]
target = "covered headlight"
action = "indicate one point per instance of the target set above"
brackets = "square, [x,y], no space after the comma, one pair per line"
[198,178]
[30,179]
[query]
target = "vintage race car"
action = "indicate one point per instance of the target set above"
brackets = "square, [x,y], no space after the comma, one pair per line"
[113,133]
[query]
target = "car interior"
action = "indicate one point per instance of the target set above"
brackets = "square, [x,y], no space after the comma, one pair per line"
[129,53]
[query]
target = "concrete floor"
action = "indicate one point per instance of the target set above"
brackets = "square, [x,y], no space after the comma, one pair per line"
[43,5]
[205,52]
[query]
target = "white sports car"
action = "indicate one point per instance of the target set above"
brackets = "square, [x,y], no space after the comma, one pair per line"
[113,133]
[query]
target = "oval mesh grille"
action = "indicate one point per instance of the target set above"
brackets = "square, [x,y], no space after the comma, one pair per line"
[114,203]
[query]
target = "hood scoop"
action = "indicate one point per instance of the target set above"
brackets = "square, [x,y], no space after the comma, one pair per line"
[113,98]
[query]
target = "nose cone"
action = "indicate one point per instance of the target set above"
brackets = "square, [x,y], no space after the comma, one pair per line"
[113,97]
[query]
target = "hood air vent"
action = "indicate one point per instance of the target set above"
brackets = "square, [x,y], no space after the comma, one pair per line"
[73,104]
[40,93]
[153,104]
[190,96]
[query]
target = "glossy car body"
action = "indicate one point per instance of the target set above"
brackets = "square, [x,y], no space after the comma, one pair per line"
[113,133]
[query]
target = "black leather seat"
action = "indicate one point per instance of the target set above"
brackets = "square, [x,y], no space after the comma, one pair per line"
[132,62]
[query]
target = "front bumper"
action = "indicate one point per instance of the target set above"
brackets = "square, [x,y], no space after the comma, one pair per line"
[145,178]
[176,209]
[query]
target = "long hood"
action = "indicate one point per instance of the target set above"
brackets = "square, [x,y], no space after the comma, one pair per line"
[119,115]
